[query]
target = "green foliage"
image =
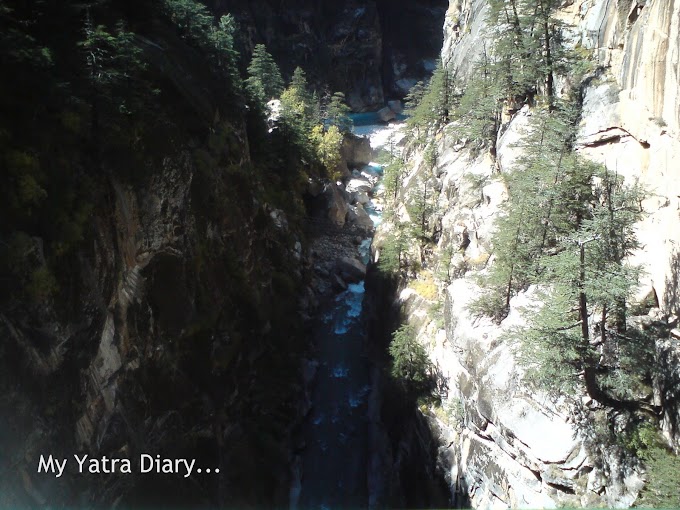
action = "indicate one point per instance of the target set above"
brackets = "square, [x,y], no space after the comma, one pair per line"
[421,207]
[662,466]
[587,272]
[114,64]
[393,250]
[430,107]
[480,108]
[198,26]
[549,194]
[192,18]
[223,53]
[528,46]
[328,145]
[551,348]
[662,489]
[393,176]
[336,113]
[264,80]
[302,119]
[18,46]
[410,362]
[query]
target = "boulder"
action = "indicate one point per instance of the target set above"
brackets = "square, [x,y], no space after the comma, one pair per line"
[356,151]
[386,114]
[361,197]
[359,217]
[358,184]
[395,106]
[336,204]
[351,270]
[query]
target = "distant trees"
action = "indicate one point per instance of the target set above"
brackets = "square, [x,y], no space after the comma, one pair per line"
[198,26]
[431,106]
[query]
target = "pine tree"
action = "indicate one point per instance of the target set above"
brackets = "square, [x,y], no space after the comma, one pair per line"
[192,18]
[528,47]
[421,207]
[264,80]
[588,274]
[392,255]
[393,176]
[297,101]
[549,195]
[223,52]
[481,105]
[410,363]
[431,108]
[336,113]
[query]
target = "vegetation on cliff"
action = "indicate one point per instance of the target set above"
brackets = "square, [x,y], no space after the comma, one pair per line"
[567,228]
[116,117]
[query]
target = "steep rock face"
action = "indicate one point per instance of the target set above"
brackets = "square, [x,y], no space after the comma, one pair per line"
[162,359]
[631,123]
[363,48]
[167,333]
[502,444]
[631,117]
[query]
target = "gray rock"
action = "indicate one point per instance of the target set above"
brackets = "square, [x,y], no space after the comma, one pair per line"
[359,217]
[339,283]
[386,114]
[336,205]
[356,151]
[361,197]
[395,106]
[351,270]
[358,184]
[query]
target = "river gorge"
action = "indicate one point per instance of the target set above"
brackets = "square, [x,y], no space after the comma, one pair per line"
[362,254]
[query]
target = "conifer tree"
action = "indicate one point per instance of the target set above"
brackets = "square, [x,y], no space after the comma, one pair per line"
[392,178]
[223,52]
[392,256]
[336,113]
[481,104]
[264,80]
[587,277]
[410,362]
[431,108]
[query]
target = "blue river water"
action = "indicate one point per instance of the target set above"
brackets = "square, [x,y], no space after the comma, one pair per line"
[336,452]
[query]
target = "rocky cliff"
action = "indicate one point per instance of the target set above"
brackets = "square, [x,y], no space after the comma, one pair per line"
[367,49]
[151,289]
[502,444]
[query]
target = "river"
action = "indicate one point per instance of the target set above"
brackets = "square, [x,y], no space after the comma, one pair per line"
[336,435]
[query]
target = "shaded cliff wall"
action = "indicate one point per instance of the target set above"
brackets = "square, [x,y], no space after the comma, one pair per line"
[170,322]
[372,50]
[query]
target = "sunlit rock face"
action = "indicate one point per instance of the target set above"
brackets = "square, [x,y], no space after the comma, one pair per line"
[500,442]
[503,444]
[372,50]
